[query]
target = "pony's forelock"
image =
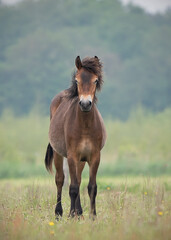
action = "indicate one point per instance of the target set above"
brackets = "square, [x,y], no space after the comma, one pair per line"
[94,65]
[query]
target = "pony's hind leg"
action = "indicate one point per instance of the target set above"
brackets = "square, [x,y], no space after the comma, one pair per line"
[78,208]
[59,179]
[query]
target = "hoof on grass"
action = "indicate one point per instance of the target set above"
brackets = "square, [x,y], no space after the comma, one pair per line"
[93,217]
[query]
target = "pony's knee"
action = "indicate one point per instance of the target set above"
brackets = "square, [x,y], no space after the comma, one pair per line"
[73,191]
[79,182]
[60,181]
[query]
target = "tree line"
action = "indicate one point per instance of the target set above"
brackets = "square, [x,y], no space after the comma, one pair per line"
[39,41]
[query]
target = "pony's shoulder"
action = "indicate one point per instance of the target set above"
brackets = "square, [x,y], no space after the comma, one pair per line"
[56,101]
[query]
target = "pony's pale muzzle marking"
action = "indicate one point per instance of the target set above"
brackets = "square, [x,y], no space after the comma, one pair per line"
[85,103]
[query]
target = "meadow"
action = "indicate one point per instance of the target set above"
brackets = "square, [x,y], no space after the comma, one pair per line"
[38,45]
[134,181]
[137,146]
[131,208]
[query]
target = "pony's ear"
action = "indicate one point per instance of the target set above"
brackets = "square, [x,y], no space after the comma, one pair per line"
[96,58]
[78,62]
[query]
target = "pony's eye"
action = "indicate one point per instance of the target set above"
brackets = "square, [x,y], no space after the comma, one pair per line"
[96,81]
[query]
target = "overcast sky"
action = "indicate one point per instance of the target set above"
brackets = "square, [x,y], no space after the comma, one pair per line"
[151,6]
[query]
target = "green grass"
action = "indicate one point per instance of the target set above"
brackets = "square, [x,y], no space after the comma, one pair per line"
[138,146]
[129,208]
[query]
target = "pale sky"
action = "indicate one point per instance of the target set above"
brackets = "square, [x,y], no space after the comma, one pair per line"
[151,6]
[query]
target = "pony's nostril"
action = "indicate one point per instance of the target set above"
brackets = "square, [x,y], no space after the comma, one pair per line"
[85,105]
[89,103]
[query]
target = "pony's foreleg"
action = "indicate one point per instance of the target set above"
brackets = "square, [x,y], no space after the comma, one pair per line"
[92,186]
[80,167]
[74,186]
[59,179]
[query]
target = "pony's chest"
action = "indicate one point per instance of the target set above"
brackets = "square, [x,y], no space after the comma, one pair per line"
[85,146]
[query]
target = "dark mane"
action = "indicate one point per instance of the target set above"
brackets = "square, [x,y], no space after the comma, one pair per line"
[72,91]
[92,65]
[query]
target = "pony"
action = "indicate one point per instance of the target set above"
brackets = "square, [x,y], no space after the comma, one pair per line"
[77,132]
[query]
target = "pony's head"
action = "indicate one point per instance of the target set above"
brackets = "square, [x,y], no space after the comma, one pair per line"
[86,80]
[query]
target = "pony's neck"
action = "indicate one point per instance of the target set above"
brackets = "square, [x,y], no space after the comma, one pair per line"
[85,118]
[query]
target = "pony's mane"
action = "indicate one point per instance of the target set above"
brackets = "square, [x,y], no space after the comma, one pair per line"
[92,65]
[72,91]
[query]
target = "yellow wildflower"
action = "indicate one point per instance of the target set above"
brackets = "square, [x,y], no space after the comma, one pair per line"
[108,188]
[160,213]
[52,232]
[145,193]
[51,223]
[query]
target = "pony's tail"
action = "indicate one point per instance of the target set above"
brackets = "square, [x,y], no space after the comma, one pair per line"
[49,158]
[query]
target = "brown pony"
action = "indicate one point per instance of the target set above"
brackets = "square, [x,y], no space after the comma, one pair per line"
[77,132]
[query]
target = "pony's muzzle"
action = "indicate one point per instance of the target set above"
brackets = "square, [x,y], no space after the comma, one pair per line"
[85,104]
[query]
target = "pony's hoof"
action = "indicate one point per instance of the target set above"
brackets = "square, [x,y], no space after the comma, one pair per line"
[71,215]
[80,218]
[92,217]
[58,217]
[58,211]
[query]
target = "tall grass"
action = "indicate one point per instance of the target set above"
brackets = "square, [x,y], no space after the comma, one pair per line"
[128,209]
[140,145]
[144,136]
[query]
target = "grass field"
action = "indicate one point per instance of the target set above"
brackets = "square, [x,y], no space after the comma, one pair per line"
[138,146]
[128,208]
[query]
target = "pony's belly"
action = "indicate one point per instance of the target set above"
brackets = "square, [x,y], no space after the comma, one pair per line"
[59,148]
[57,141]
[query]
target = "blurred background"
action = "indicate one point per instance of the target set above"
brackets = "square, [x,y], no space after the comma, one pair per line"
[39,41]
